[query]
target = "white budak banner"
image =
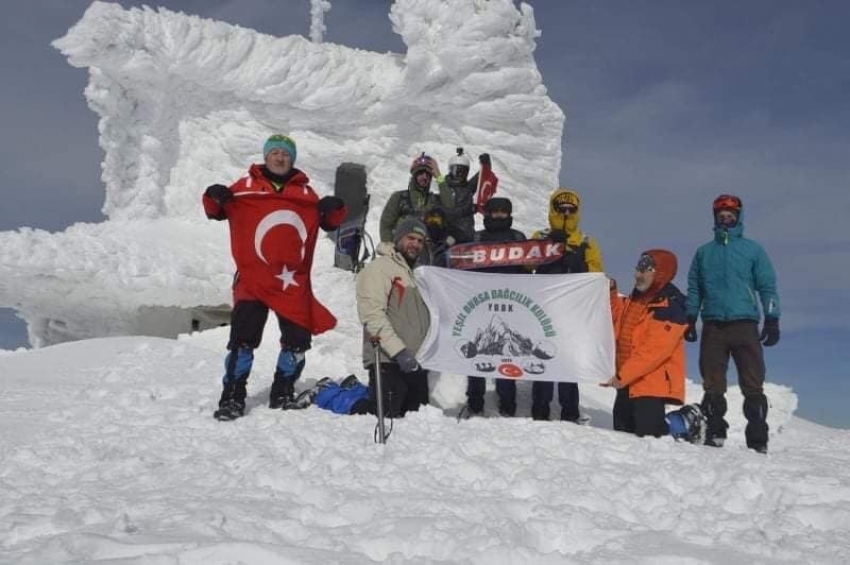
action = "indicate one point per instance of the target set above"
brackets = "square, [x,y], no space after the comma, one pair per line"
[524,327]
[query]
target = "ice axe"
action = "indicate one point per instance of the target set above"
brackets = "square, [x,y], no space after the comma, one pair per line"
[380,433]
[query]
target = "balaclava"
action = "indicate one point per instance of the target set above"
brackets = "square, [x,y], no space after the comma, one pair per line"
[498,204]
[558,220]
[665,264]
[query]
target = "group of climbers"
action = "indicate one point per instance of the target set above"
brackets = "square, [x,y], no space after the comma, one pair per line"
[727,278]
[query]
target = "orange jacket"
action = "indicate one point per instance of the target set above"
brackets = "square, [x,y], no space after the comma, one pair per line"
[650,328]
[656,361]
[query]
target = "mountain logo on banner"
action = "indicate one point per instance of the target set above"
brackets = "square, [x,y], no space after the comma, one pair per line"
[504,344]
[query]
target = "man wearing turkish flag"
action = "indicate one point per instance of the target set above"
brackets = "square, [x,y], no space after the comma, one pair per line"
[274,218]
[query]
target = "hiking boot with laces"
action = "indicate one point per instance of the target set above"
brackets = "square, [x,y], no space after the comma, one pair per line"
[308,397]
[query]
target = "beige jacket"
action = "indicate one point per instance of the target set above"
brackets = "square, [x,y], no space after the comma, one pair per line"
[389,306]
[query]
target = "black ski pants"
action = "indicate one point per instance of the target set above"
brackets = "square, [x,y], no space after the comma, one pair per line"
[402,392]
[642,416]
[505,389]
[247,321]
[542,393]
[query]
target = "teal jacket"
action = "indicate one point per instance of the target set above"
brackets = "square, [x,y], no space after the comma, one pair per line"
[729,276]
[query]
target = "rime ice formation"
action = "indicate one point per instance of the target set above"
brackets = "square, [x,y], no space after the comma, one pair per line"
[185,102]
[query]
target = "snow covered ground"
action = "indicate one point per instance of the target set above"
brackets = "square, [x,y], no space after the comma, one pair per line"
[109,450]
[111,455]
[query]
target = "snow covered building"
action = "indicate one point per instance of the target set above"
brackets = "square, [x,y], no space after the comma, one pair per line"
[186,102]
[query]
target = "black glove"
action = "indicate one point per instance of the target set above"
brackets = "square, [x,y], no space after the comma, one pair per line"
[220,193]
[406,361]
[484,159]
[770,332]
[558,236]
[691,332]
[328,204]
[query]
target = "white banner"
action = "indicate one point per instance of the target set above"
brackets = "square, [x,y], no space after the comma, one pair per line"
[529,327]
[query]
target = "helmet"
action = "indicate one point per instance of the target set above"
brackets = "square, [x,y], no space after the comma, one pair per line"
[421,163]
[459,165]
[727,202]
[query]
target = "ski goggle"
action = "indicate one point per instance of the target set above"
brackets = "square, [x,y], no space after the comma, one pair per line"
[646,264]
[727,202]
[434,220]
[566,208]
[458,171]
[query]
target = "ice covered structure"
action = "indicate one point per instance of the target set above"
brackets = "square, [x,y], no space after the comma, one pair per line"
[185,102]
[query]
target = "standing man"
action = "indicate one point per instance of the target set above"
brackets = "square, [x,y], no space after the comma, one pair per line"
[649,326]
[417,199]
[725,277]
[393,313]
[460,209]
[274,218]
[497,229]
[581,255]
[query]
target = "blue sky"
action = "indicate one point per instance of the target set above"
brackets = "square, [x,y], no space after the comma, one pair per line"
[668,103]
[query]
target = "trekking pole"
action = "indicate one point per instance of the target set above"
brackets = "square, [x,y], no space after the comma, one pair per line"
[379,392]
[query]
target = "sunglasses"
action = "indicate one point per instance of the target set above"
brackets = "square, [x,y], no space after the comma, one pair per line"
[646,264]
[434,221]
[566,209]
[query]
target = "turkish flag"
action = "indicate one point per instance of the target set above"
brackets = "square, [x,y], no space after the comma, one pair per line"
[487,184]
[273,238]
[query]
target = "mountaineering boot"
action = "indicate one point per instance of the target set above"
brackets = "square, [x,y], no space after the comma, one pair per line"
[475,389]
[232,402]
[568,398]
[475,407]
[755,411]
[507,409]
[540,411]
[290,363]
[686,423]
[506,391]
[467,412]
[584,419]
[282,392]
[308,397]
[713,406]
[350,381]
[237,368]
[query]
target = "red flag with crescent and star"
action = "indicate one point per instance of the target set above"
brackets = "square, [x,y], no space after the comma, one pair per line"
[273,237]
[488,182]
